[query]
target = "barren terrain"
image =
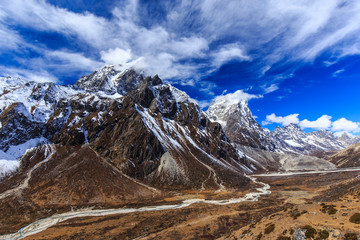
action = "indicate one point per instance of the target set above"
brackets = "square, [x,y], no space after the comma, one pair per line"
[320,201]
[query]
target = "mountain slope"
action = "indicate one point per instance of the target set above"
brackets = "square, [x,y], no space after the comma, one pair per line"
[349,157]
[292,139]
[242,128]
[161,136]
[154,132]
[239,123]
[125,144]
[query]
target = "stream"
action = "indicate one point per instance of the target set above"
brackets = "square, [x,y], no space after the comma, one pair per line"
[48,222]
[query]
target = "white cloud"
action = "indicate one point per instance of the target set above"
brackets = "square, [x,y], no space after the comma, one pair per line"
[212,32]
[235,98]
[9,39]
[271,88]
[116,56]
[227,53]
[40,15]
[343,124]
[265,69]
[189,47]
[338,72]
[322,122]
[69,60]
[29,75]
[203,103]
[284,121]
[339,134]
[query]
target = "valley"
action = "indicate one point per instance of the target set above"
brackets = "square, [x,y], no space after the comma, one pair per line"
[294,201]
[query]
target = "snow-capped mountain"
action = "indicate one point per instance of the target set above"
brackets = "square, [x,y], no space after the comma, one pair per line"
[242,128]
[239,123]
[111,80]
[348,140]
[292,139]
[146,129]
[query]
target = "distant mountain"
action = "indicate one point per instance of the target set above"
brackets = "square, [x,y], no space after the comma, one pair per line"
[242,128]
[292,139]
[348,140]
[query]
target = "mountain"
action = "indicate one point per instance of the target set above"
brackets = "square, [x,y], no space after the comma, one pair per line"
[149,131]
[348,140]
[113,138]
[262,160]
[111,80]
[242,129]
[349,157]
[239,123]
[292,139]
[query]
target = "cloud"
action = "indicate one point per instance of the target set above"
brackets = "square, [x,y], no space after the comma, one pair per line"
[29,75]
[322,122]
[264,70]
[271,88]
[10,40]
[116,56]
[339,134]
[203,103]
[211,34]
[345,125]
[338,72]
[71,60]
[42,16]
[227,53]
[235,98]
[284,121]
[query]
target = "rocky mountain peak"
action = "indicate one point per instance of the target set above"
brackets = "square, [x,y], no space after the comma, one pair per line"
[111,80]
[238,122]
[291,130]
[326,134]
[292,127]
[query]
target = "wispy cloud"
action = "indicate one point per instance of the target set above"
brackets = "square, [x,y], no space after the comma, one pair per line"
[272,88]
[338,72]
[211,34]
[227,53]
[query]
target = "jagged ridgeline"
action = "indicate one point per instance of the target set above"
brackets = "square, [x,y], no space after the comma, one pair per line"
[140,127]
[242,129]
[150,131]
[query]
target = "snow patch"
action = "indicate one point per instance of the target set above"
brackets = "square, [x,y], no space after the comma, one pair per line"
[16,151]
[8,166]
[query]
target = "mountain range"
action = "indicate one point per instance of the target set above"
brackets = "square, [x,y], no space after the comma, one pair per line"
[117,137]
[149,131]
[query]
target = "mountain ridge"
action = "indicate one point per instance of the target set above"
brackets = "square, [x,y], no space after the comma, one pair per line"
[242,128]
[146,116]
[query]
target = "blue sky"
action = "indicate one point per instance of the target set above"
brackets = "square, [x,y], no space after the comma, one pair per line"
[297,60]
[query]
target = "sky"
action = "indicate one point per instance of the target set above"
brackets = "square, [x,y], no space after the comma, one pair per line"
[298,61]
